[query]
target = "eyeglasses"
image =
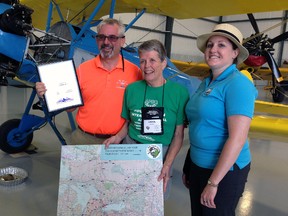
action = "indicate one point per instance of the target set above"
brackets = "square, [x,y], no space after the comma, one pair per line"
[111,38]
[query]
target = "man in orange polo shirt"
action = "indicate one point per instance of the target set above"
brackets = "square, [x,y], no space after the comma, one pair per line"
[102,83]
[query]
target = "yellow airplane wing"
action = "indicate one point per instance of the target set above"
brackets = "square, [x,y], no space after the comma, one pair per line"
[265,73]
[269,125]
[271,108]
[270,118]
[183,9]
[201,70]
[197,69]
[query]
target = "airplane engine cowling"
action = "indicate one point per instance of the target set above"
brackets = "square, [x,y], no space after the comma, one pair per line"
[16,20]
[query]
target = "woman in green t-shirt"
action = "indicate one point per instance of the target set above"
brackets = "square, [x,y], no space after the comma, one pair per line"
[154,108]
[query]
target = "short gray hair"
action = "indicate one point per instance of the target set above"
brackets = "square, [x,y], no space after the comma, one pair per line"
[111,21]
[155,45]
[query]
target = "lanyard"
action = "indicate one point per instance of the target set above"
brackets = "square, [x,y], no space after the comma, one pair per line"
[163,86]
[152,117]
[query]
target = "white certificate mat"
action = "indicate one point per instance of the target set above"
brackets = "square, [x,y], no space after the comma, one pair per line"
[62,86]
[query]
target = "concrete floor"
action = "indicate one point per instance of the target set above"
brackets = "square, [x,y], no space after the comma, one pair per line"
[266,192]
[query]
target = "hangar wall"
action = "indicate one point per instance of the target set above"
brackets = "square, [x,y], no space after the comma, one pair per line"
[185,31]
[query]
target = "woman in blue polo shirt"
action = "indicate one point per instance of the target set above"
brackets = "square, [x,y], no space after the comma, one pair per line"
[219,116]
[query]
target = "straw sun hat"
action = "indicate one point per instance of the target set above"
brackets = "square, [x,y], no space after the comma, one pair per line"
[228,31]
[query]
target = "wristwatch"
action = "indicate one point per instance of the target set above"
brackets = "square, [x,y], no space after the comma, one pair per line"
[209,182]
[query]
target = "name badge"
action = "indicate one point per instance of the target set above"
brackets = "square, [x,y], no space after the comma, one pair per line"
[152,120]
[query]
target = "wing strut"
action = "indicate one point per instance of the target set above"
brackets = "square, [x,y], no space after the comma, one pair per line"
[91,17]
[135,19]
[112,8]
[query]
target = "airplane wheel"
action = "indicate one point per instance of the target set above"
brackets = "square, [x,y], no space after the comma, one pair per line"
[278,95]
[11,141]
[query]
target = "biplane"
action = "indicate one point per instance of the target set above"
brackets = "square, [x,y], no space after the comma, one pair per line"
[67,34]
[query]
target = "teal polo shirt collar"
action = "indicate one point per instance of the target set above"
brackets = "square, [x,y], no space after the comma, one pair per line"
[228,71]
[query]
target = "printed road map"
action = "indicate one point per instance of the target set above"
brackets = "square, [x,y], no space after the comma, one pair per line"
[118,181]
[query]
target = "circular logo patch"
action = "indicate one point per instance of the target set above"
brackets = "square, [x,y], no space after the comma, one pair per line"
[153,151]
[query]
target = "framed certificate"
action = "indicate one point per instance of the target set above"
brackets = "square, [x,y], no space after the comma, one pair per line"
[62,85]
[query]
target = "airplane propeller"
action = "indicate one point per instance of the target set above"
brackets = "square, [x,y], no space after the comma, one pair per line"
[260,48]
